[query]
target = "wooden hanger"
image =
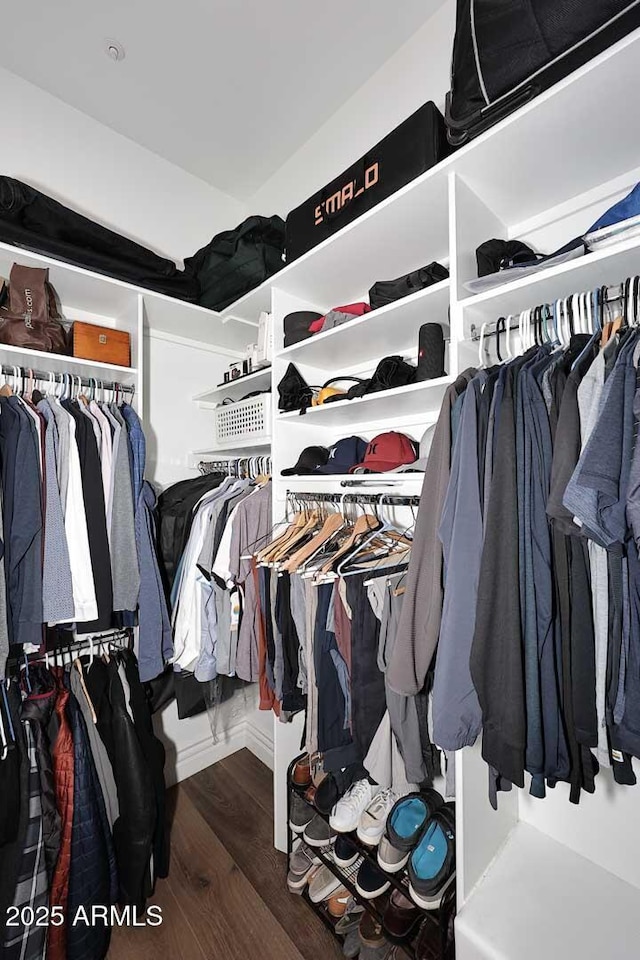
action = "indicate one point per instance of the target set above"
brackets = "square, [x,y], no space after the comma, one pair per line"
[314,518]
[333,523]
[363,525]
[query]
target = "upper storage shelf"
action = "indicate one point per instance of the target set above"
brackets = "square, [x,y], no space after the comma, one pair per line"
[84,293]
[575,136]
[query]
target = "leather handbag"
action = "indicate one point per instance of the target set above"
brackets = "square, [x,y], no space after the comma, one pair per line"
[31,319]
[386,291]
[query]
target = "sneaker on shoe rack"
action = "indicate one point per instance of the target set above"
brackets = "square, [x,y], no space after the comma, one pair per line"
[296,882]
[338,902]
[352,943]
[335,785]
[302,858]
[351,919]
[390,859]
[318,833]
[371,882]
[345,852]
[323,885]
[432,865]
[346,814]
[300,814]
[374,819]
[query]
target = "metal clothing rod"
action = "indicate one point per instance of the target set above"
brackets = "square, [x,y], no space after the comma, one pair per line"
[387,481]
[84,381]
[392,498]
[73,646]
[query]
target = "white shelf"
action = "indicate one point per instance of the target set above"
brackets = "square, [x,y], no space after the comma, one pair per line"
[505,165]
[58,363]
[411,401]
[86,292]
[392,328]
[608,266]
[540,899]
[235,389]
[192,322]
[249,444]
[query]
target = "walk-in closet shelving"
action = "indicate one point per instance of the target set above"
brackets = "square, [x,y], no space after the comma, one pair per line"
[369,337]
[234,389]
[543,175]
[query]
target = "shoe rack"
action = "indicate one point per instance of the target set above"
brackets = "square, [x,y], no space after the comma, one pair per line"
[433,924]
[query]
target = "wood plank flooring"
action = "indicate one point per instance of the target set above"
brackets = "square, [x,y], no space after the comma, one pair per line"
[226,895]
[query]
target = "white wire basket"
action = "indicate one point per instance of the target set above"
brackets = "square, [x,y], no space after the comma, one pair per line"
[245,420]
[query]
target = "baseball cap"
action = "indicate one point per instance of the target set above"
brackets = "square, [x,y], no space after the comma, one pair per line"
[309,459]
[420,464]
[344,455]
[386,452]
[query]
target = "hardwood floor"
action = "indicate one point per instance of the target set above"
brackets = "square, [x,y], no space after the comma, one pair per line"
[226,897]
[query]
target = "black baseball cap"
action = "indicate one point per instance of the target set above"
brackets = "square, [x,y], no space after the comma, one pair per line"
[343,455]
[308,461]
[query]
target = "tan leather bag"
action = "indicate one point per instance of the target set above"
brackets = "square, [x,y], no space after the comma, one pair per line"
[30,319]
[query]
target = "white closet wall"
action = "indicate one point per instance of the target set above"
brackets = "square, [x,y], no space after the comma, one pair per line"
[418,72]
[106,176]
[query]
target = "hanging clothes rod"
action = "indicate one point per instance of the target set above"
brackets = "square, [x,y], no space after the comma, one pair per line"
[611,294]
[84,381]
[393,498]
[74,646]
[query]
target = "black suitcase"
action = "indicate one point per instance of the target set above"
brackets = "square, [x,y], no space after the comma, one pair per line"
[414,146]
[506,52]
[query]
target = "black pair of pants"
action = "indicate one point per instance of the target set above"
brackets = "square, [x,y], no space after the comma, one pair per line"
[368,699]
[293,699]
[334,741]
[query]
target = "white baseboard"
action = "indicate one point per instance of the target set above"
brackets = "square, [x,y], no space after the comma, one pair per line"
[197,756]
[260,743]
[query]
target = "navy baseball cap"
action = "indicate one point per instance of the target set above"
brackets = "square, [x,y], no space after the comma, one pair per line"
[344,455]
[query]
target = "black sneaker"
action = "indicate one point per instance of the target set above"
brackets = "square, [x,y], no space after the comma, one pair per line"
[371,882]
[300,814]
[344,852]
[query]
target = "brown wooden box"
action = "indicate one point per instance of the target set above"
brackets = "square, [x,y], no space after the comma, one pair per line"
[91,342]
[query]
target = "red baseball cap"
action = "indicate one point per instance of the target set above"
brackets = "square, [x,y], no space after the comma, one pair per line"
[386,452]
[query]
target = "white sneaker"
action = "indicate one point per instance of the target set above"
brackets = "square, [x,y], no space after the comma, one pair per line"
[346,814]
[374,819]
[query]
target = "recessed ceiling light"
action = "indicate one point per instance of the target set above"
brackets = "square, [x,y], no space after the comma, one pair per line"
[114,50]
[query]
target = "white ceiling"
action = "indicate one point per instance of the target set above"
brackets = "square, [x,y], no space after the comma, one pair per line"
[226,89]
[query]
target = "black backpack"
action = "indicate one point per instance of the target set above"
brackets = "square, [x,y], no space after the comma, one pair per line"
[236,261]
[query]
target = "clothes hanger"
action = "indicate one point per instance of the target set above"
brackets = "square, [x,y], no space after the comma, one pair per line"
[389,530]
[482,362]
[332,524]
[270,552]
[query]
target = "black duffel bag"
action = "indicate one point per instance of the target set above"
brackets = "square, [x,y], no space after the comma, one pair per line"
[414,146]
[33,220]
[236,261]
[506,53]
[387,291]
